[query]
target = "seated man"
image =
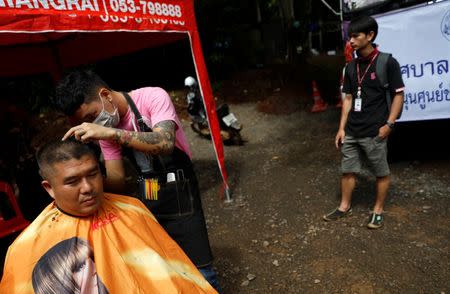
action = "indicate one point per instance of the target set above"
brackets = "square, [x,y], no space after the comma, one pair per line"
[88,241]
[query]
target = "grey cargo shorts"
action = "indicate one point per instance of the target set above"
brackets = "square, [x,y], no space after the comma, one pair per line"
[374,149]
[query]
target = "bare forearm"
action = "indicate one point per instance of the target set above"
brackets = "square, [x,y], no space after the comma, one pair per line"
[114,185]
[346,106]
[115,176]
[396,107]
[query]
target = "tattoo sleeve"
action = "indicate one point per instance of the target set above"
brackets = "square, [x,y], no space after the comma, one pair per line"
[123,137]
[160,141]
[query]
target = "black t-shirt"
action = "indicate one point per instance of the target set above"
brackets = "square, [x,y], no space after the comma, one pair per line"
[374,109]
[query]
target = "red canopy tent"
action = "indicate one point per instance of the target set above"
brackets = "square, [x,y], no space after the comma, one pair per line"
[39,36]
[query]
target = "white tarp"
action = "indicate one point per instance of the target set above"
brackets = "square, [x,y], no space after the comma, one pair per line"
[419,38]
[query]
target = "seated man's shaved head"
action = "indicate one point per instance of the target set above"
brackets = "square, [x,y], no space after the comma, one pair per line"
[59,151]
[71,176]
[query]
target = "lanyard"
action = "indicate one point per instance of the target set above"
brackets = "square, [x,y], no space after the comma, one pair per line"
[360,79]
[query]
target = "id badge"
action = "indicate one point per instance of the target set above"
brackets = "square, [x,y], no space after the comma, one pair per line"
[358,104]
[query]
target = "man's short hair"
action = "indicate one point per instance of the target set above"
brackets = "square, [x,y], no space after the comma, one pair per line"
[59,151]
[77,87]
[363,24]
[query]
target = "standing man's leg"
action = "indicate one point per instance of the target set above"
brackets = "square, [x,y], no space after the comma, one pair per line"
[350,165]
[382,189]
[348,182]
[377,155]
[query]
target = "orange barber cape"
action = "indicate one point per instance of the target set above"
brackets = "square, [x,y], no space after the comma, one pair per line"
[120,249]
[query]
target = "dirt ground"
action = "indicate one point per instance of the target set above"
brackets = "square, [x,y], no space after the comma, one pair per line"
[272,238]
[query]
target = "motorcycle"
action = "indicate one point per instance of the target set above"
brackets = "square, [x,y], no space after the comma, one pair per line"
[230,127]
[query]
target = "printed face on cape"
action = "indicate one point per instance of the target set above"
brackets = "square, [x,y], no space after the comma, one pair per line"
[86,277]
[68,267]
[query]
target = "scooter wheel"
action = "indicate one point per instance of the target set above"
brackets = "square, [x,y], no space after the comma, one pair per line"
[234,138]
[195,128]
[238,139]
[203,132]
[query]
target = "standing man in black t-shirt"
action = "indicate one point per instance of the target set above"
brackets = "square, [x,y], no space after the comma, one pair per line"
[367,119]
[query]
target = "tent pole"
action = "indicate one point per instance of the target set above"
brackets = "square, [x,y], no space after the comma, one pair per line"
[228,198]
[208,99]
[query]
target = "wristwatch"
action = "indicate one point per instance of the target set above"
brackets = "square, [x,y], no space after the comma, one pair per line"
[390,124]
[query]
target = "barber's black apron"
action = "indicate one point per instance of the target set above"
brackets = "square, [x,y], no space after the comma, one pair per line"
[178,206]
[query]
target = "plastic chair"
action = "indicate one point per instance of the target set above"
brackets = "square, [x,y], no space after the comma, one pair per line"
[14,221]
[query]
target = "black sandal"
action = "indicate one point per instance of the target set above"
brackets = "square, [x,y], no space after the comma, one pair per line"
[337,214]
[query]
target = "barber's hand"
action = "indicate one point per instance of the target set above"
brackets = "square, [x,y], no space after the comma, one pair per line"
[384,132]
[89,131]
[339,138]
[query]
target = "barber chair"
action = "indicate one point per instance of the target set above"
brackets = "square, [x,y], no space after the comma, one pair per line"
[11,218]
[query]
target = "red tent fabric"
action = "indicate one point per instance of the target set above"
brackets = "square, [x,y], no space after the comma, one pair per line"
[50,35]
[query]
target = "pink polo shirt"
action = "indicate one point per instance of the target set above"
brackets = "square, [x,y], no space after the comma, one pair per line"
[155,106]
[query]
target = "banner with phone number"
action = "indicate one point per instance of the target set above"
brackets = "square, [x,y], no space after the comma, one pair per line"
[43,15]
[19,18]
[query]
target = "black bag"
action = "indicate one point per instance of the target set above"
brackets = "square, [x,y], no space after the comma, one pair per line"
[173,198]
[165,182]
[381,70]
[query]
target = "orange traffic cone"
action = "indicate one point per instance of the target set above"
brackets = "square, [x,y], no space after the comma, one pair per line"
[319,104]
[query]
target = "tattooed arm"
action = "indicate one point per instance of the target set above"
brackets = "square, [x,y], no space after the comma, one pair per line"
[160,141]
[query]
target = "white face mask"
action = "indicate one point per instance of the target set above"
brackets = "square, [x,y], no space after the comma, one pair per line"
[106,119]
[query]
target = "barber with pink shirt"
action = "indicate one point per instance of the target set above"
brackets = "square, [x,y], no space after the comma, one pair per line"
[142,123]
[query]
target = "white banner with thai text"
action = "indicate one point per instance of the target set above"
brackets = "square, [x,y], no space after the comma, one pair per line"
[419,38]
